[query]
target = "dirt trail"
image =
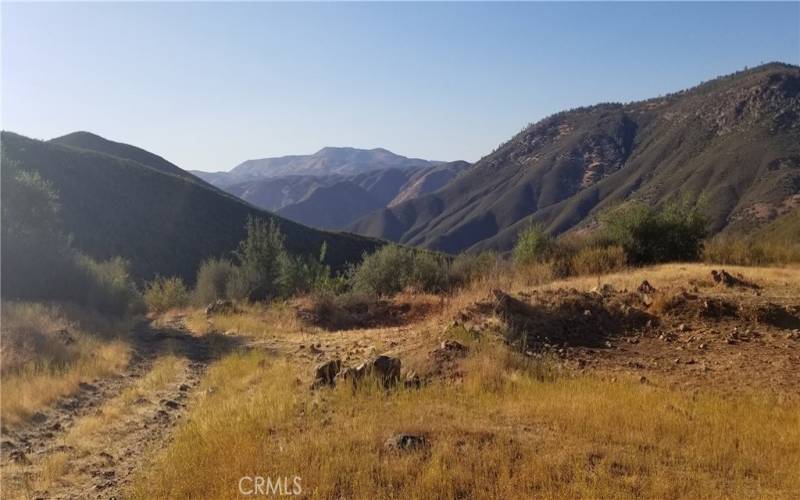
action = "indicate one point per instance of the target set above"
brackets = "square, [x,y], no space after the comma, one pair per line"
[92,468]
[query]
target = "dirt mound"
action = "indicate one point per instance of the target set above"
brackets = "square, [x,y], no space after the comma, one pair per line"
[724,278]
[786,317]
[357,312]
[569,317]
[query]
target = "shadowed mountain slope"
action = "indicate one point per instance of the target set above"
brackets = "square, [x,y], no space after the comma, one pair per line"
[733,142]
[163,223]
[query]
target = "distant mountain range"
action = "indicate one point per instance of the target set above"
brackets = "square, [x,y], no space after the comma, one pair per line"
[326,161]
[335,201]
[118,199]
[733,142]
[334,187]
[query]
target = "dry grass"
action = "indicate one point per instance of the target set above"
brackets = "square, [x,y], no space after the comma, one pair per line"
[47,350]
[512,428]
[256,320]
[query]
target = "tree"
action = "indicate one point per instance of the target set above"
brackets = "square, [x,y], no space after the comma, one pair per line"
[260,255]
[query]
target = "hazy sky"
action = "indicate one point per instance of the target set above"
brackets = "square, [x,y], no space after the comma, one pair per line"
[208,85]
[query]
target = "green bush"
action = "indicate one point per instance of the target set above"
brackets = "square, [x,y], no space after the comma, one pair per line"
[110,288]
[651,235]
[392,268]
[533,245]
[299,275]
[163,294]
[213,281]
[385,272]
[260,255]
[467,268]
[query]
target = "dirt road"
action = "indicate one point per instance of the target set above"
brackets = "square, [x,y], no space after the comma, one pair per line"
[91,441]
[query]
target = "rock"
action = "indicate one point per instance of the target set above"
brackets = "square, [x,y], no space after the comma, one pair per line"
[453,345]
[38,418]
[220,307]
[18,457]
[172,405]
[412,381]
[683,328]
[604,289]
[325,373]
[387,370]
[403,442]
[354,374]
[646,288]
[183,388]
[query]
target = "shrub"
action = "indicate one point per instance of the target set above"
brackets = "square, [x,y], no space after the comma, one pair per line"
[385,272]
[110,288]
[213,281]
[533,245]
[163,294]
[393,268]
[259,255]
[650,235]
[467,268]
[38,261]
[598,260]
[300,275]
[744,251]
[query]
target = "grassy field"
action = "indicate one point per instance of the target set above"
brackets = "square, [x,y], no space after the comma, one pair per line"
[512,428]
[48,350]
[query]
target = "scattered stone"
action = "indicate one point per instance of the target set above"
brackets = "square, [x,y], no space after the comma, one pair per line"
[325,373]
[172,405]
[184,388]
[453,345]
[412,381]
[18,457]
[683,328]
[220,307]
[403,442]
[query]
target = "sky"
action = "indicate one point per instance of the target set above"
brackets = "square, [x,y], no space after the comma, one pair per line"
[209,85]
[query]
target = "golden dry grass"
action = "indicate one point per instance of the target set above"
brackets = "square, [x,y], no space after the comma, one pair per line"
[513,428]
[40,364]
[256,320]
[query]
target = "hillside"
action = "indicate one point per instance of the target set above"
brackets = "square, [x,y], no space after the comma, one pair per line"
[733,142]
[326,161]
[164,223]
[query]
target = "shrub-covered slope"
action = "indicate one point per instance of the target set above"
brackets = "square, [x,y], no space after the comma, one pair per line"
[163,223]
[733,142]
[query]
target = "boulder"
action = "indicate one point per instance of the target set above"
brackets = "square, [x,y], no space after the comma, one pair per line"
[325,373]
[404,441]
[387,370]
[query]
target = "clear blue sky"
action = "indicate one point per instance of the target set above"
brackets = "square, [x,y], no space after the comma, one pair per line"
[210,85]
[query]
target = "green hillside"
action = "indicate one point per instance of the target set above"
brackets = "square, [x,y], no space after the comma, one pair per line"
[163,221]
[733,143]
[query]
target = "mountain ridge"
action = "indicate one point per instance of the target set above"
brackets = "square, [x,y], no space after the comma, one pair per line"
[732,140]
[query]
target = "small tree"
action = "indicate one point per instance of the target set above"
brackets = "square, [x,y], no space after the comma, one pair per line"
[533,245]
[259,255]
